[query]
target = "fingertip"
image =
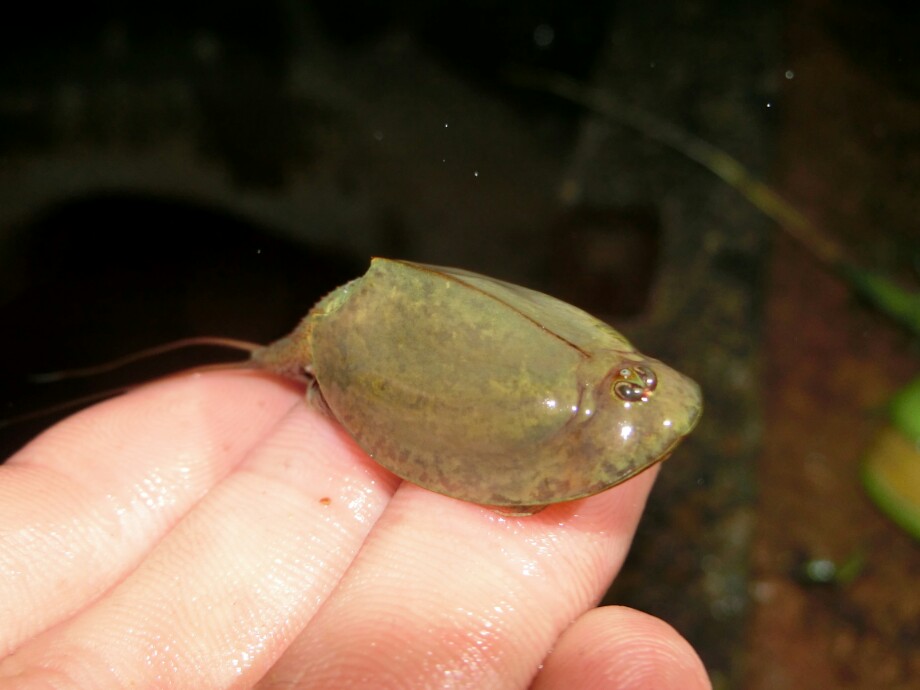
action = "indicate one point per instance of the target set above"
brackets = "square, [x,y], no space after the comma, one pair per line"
[615,646]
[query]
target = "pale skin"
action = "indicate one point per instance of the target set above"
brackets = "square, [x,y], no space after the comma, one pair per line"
[214,531]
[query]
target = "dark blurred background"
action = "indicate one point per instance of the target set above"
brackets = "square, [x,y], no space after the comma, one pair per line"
[179,169]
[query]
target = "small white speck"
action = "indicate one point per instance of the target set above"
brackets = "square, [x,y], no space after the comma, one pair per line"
[445,125]
[769,105]
[543,35]
[667,423]
[475,173]
[207,48]
[789,74]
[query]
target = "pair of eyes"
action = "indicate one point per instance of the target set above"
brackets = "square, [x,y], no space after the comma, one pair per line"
[634,383]
[630,384]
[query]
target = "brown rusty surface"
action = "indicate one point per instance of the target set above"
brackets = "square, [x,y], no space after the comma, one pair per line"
[831,365]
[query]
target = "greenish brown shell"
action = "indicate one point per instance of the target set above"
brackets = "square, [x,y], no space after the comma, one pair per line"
[483,390]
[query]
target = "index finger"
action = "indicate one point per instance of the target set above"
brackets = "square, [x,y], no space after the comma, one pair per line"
[449,592]
[82,504]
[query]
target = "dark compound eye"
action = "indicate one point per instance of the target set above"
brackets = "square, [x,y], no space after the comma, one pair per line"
[635,383]
[648,376]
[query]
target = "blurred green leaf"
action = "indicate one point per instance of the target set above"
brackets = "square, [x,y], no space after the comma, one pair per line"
[884,294]
[891,469]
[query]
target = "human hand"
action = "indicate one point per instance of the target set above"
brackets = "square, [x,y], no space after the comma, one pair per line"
[212,531]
